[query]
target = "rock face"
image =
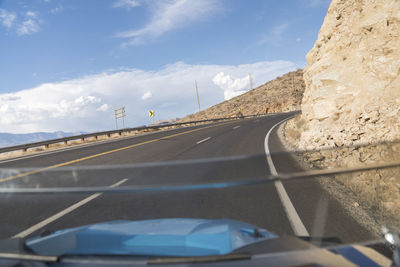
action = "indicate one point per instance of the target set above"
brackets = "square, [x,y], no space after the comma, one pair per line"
[352,99]
[279,95]
[352,77]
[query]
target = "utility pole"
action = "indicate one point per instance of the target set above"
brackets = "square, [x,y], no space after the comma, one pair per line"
[197,93]
[292,81]
[251,82]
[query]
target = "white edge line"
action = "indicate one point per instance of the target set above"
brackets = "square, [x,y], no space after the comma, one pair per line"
[62,213]
[201,141]
[297,225]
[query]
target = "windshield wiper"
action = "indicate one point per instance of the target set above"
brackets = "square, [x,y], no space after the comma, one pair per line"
[201,259]
[321,241]
[15,249]
[30,257]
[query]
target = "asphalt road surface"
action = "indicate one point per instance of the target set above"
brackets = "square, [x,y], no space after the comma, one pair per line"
[189,153]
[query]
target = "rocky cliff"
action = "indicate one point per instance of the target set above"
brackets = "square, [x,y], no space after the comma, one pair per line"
[352,76]
[352,100]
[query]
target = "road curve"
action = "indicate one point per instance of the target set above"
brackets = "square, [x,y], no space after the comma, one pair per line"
[28,215]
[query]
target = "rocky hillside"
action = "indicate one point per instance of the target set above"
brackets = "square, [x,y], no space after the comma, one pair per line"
[352,103]
[352,76]
[282,94]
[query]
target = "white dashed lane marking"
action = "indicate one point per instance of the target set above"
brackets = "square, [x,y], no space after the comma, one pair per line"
[201,141]
[60,214]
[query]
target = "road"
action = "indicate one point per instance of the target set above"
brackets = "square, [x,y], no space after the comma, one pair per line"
[109,164]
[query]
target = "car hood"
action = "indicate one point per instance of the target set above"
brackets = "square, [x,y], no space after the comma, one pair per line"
[162,237]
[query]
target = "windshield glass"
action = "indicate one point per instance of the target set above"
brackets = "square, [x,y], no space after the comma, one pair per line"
[203,128]
[317,197]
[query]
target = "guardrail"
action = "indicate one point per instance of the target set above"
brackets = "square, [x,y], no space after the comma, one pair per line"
[82,137]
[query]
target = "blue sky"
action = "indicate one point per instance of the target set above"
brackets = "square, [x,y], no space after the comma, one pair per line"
[67,63]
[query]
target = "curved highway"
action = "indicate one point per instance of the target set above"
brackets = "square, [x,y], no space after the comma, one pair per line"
[100,165]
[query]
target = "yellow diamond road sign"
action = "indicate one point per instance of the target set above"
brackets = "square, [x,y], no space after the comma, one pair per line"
[151,113]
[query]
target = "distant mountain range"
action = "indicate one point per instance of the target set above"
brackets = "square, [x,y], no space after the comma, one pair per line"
[9,139]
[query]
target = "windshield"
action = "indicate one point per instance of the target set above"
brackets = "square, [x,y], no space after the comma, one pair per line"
[198,128]
[315,198]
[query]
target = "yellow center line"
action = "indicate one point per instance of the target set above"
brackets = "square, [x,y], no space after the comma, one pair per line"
[101,154]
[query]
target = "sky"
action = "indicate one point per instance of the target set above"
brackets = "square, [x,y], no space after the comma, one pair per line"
[67,64]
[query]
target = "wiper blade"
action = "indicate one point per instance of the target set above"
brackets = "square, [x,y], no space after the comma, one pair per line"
[321,241]
[15,249]
[18,256]
[202,259]
[188,187]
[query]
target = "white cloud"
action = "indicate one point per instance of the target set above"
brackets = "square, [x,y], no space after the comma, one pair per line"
[31,14]
[127,4]
[29,26]
[56,9]
[84,104]
[278,30]
[231,87]
[274,35]
[147,95]
[169,15]
[104,107]
[7,18]
[10,98]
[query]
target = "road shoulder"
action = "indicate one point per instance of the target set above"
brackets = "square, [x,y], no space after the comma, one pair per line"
[338,191]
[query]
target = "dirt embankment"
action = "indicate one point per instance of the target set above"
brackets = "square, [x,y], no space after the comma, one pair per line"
[279,95]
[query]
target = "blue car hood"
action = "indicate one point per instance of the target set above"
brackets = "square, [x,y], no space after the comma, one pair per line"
[163,237]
